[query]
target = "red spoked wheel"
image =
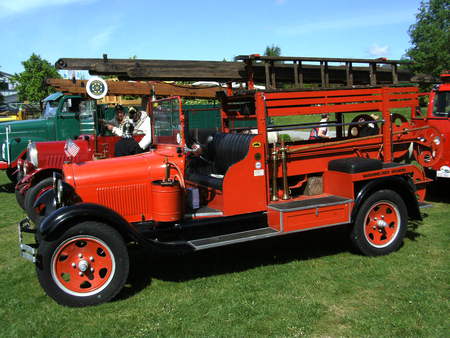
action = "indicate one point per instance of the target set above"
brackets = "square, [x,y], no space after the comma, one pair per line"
[87,265]
[83,265]
[380,223]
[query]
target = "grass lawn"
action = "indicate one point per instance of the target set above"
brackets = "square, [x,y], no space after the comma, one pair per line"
[308,284]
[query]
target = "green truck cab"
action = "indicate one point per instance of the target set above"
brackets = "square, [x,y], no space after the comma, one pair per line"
[63,117]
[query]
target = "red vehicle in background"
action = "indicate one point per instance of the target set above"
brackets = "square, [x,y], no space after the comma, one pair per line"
[435,160]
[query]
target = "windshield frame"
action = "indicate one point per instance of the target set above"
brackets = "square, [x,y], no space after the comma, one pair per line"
[156,109]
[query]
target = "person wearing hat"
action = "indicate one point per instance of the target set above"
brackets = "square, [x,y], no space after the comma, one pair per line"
[127,145]
[142,126]
[115,125]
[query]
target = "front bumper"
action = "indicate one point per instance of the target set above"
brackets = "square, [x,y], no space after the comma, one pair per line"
[27,251]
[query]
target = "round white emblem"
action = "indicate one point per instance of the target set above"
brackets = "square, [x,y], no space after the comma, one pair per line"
[96,87]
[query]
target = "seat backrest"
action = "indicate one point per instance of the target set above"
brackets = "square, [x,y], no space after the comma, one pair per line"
[227,149]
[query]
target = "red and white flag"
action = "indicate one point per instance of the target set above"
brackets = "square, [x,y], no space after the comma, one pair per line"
[71,149]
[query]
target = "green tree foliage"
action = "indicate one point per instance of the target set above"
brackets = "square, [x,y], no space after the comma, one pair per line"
[430,38]
[31,85]
[273,50]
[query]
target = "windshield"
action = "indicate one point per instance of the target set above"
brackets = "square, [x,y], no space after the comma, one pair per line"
[441,106]
[50,109]
[166,122]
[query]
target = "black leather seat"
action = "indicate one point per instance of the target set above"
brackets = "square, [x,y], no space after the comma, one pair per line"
[354,165]
[222,152]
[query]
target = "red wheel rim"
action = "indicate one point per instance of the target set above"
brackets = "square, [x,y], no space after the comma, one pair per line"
[382,224]
[83,265]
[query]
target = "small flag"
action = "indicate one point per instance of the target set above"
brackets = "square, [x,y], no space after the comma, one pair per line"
[71,149]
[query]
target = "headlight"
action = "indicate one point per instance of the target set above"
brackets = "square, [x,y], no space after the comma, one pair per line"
[437,140]
[32,154]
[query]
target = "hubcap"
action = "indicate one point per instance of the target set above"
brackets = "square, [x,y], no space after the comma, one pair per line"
[382,224]
[83,265]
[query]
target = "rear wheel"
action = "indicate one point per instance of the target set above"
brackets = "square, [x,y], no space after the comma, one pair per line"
[380,224]
[32,195]
[86,265]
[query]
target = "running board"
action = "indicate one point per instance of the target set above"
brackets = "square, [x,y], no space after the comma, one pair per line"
[237,237]
[424,205]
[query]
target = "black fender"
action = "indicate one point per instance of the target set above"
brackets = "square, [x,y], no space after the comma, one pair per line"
[64,218]
[402,185]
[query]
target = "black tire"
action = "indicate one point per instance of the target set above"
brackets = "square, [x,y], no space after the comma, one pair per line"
[20,198]
[380,224]
[108,259]
[32,194]
[10,172]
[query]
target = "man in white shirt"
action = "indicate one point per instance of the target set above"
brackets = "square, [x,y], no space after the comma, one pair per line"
[142,125]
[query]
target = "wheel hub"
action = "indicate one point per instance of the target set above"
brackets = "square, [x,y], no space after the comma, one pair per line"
[83,265]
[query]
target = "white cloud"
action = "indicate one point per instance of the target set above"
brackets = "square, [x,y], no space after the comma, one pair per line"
[373,20]
[12,7]
[378,51]
[102,38]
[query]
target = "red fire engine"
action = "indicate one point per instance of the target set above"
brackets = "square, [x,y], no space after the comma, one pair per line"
[437,158]
[199,189]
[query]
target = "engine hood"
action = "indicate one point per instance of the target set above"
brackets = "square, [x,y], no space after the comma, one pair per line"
[87,177]
[51,154]
[28,129]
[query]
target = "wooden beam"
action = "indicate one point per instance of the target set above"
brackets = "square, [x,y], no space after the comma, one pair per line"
[138,88]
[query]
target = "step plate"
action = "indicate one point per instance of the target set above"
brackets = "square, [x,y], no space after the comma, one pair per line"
[238,237]
[310,203]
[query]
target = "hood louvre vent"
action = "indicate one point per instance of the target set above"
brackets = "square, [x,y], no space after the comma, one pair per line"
[127,200]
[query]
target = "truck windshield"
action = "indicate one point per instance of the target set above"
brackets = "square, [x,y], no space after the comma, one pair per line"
[166,122]
[50,109]
[442,104]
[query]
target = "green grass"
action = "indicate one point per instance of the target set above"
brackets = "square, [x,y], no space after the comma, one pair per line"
[308,284]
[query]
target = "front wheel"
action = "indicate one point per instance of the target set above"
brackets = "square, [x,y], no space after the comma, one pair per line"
[35,212]
[380,224]
[86,265]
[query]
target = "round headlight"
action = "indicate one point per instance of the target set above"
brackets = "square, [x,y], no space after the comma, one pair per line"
[437,140]
[32,154]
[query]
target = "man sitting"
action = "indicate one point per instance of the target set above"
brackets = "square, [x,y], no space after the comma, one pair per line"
[127,145]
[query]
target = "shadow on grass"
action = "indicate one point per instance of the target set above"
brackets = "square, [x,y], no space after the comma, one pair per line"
[8,187]
[437,191]
[145,266]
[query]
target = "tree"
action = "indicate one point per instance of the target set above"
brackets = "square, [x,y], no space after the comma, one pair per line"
[31,85]
[272,51]
[430,38]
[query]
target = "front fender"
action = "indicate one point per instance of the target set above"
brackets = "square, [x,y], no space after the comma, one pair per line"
[64,218]
[401,185]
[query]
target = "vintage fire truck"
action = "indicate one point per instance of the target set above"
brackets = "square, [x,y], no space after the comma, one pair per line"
[41,159]
[437,117]
[199,189]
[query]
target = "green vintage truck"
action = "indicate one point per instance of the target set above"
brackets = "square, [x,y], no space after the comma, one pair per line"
[63,117]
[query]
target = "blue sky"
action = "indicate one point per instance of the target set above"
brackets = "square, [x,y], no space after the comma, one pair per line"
[202,29]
